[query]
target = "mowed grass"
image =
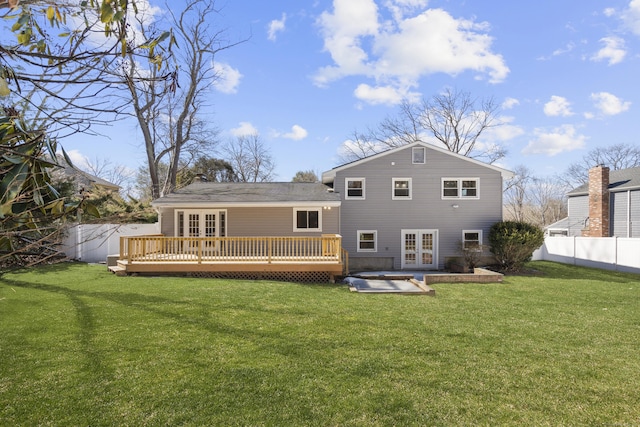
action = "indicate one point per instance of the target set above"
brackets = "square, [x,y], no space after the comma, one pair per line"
[80,346]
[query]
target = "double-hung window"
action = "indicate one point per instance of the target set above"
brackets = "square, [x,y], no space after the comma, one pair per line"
[401,189]
[307,220]
[367,240]
[354,188]
[472,239]
[460,188]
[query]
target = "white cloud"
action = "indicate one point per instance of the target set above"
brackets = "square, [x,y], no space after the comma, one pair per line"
[631,17]
[399,8]
[276,26]
[505,132]
[562,139]
[613,51]
[510,103]
[568,48]
[609,104]
[342,32]
[146,13]
[297,133]
[558,106]
[398,52]
[388,95]
[609,12]
[78,159]
[228,78]
[245,128]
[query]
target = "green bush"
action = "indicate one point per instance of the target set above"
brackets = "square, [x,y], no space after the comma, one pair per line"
[513,243]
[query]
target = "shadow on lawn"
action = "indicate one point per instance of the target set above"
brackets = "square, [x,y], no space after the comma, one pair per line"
[43,269]
[554,270]
[158,306]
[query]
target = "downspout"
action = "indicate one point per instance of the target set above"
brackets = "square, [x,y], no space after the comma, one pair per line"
[629,213]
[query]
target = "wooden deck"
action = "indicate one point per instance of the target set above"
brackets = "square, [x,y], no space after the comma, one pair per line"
[297,258]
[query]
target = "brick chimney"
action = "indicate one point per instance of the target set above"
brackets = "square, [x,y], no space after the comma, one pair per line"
[598,202]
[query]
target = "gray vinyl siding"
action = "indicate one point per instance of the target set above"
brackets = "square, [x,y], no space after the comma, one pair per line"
[260,221]
[619,214]
[426,210]
[167,222]
[578,213]
[635,213]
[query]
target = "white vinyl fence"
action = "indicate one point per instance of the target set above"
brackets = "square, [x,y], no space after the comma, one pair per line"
[94,242]
[611,253]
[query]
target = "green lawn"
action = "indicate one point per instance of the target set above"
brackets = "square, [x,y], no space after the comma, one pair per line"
[80,346]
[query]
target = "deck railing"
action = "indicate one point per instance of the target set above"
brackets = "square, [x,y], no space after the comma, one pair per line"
[327,248]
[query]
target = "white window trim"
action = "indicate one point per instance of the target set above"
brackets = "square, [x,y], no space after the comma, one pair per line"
[393,189]
[424,155]
[307,230]
[375,240]
[460,196]
[472,231]
[346,189]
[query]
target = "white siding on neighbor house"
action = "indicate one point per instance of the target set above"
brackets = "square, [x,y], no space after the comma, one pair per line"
[426,209]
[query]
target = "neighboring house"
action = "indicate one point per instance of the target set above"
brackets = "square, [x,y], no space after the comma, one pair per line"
[413,207]
[609,205]
[83,180]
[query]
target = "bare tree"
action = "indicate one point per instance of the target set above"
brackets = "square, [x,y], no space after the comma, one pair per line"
[547,201]
[538,201]
[117,174]
[515,194]
[616,157]
[169,115]
[453,118]
[62,83]
[250,159]
[50,85]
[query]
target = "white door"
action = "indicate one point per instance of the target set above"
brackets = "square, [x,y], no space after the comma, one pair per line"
[201,224]
[420,249]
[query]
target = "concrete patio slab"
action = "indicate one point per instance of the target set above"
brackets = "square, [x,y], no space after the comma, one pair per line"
[394,284]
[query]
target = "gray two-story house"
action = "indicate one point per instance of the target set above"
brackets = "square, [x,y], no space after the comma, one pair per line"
[414,206]
[409,208]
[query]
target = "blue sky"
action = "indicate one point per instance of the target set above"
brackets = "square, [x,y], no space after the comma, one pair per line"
[313,72]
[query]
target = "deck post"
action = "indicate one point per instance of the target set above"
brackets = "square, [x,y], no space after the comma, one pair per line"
[200,245]
[270,249]
[130,249]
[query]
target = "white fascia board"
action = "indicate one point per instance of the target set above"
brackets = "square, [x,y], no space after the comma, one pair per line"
[329,176]
[189,205]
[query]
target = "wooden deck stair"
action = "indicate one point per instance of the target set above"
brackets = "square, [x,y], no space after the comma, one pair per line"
[117,270]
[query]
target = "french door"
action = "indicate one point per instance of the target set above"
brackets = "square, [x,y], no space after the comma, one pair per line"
[420,249]
[201,223]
